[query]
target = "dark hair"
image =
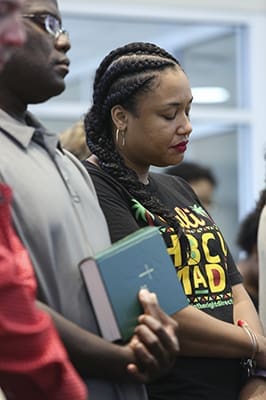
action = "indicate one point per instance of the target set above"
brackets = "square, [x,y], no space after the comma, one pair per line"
[248,230]
[191,172]
[122,76]
[261,202]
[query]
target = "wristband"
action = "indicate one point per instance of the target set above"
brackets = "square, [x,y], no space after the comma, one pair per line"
[252,337]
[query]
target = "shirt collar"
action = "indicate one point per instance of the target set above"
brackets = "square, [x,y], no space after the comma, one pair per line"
[23,134]
[16,129]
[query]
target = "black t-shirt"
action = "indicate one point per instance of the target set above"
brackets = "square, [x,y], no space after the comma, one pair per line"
[207,276]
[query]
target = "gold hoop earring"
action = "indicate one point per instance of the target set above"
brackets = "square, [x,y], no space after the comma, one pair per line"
[117,133]
[123,134]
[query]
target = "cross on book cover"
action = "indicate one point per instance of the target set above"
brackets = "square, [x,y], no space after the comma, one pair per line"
[114,277]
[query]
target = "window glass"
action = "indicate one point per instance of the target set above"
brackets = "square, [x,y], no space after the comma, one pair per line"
[207,52]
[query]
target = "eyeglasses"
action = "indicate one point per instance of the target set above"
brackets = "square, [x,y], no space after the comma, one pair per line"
[49,22]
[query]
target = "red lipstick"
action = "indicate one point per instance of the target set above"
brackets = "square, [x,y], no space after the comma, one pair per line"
[181,147]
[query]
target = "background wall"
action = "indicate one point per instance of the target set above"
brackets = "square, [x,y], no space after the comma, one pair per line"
[235,5]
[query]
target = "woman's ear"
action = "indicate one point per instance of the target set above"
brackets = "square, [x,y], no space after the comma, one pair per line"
[119,117]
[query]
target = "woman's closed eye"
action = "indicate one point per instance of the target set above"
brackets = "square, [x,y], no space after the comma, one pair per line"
[169,117]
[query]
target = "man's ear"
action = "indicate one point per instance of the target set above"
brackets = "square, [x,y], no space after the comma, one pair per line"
[119,117]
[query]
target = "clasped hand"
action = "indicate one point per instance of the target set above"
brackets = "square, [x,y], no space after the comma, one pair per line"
[155,344]
[255,388]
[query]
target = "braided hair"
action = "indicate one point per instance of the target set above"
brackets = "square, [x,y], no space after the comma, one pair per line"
[123,75]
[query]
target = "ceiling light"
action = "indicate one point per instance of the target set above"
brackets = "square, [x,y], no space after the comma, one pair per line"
[205,95]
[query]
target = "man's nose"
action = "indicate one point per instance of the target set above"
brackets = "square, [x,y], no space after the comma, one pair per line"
[63,42]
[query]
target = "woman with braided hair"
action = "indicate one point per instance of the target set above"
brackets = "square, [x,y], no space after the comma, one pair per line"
[140,118]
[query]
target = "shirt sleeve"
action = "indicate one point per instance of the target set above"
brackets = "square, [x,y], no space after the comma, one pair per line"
[233,273]
[33,362]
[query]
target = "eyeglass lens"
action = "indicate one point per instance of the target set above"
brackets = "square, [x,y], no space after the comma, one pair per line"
[52,25]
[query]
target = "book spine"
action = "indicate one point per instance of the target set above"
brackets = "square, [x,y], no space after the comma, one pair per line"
[100,301]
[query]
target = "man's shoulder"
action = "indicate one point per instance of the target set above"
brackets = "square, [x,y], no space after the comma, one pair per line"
[13,132]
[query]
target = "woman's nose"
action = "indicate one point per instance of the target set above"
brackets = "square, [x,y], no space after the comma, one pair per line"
[184,127]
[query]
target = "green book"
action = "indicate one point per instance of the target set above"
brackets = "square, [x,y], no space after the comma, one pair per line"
[114,277]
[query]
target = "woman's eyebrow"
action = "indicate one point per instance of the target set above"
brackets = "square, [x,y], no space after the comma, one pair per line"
[176,103]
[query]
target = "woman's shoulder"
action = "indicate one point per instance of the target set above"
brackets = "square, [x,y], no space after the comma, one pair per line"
[105,185]
[162,177]
[96,173]
[170,188]
[165,180]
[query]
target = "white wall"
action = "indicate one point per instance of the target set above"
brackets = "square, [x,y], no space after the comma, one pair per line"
[225,5]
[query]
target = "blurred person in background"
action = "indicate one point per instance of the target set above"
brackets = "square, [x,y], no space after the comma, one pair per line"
[247,240]
[262,261]
[11,30]
[73,139]
[248,265]
[200,178]
[33,362]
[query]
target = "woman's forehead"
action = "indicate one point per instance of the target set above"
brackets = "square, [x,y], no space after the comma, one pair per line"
[171,82]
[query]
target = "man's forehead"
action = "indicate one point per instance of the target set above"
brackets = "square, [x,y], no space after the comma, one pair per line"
[39,6]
